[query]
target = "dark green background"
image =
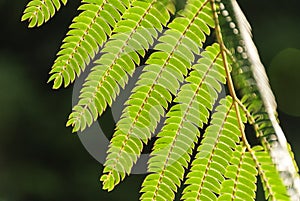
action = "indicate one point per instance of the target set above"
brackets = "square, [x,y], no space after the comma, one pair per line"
[40,160]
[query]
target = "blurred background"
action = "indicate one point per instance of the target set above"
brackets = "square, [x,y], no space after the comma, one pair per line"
[40,160]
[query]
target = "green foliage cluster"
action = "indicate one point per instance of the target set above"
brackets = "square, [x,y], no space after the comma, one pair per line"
[218,164]
[38,12]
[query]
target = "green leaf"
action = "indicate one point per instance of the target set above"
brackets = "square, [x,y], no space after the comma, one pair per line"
[79,47]
[213,155]
[272,183]
[240,177]
[172,149]
[37,12]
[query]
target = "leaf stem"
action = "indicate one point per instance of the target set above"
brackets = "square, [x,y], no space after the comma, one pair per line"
[230,85]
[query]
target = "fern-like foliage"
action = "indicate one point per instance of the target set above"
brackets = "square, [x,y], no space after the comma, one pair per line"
[89,30]
[172,149]
[252,83]
[214,153]
[202,148]
[240,177]
[273,186]
[38,12]
[160,78]
[120,55]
